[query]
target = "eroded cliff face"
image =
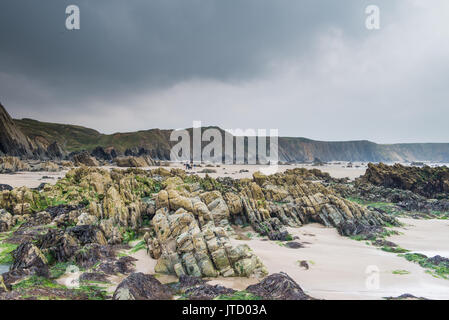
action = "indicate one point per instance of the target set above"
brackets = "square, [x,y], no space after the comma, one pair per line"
[12,140]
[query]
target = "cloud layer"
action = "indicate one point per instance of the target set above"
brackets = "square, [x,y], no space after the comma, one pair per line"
[309,68]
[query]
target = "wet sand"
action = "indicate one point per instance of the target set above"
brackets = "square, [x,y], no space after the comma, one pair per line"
[429,237]
[30,179]
[339,266]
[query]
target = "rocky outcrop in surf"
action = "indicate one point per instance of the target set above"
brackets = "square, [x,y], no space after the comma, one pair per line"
[424,181]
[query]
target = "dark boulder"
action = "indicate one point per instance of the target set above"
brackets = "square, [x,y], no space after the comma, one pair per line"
[86,234]
[406,296]
[92,253]
[439,260]
[59,244]
[84,159]
[294,245]
[94,277]
[123,265]
[55,151]
[425,181]
[5,187]
[185,282]
[139,286]
[63,209]
[28,257]
[278,286]
[104,154]
[207,292]
[354,228]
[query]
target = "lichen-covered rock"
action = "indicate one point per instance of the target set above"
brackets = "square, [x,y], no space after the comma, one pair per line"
[47,166]
[86,219]
[134,162]
[85,159]
[286,199]
[86,234]
[111,231]
[42,218]
[12,164]
[139,286]
[6,220]
[183,247]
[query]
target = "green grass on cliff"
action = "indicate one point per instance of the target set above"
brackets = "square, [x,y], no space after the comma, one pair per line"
[77,138]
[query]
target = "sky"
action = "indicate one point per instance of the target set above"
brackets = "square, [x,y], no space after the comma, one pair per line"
[309,68]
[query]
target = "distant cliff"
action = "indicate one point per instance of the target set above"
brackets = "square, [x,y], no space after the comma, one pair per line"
[301,149]
[31,138]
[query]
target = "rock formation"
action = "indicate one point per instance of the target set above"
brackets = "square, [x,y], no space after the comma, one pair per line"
[139,286]
[13,164]
[278,286]
[134,162]
[425,181]
[85,159]
[12,141]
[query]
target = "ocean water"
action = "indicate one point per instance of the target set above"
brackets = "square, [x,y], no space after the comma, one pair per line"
[4,268]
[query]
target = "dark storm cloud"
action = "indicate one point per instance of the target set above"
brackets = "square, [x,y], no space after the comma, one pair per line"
[123,45]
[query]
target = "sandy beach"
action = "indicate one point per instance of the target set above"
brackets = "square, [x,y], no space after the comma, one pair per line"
[339,267]
[31,179]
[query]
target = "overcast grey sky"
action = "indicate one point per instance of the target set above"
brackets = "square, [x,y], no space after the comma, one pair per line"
[306,67]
